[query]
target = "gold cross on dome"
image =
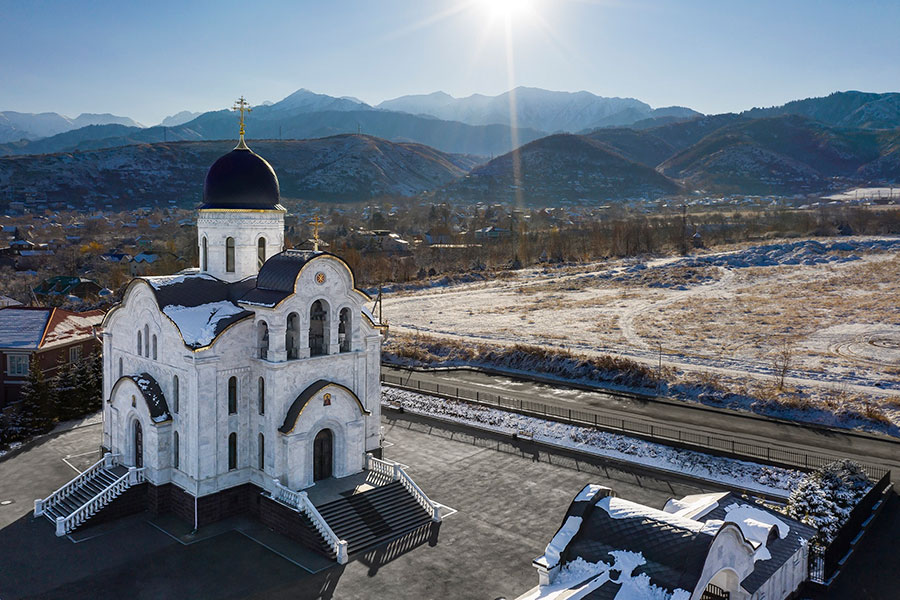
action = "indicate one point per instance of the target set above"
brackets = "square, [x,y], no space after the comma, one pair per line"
[243,106]
[316,222]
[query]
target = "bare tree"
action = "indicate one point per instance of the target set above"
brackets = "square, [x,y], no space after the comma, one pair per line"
[782,361]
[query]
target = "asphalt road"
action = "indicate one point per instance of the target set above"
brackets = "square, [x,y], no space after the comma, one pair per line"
[742,427]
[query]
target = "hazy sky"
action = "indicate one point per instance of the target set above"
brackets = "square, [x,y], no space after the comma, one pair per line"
[147,60]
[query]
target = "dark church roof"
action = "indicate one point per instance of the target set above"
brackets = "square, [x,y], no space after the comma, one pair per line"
[193,289]
[780,549]
[241,179]
[275,281]
[297,406]
[153,396]
[675,552]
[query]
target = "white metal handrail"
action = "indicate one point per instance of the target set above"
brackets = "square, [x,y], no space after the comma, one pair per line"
[300,501]
[42,504]
[379,466]
[66,524]
[396,472]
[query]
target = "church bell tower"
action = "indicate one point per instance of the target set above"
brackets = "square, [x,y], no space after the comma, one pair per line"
[241,220]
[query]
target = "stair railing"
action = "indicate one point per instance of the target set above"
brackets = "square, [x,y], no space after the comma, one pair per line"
[107,462]
[299,501]
[66,524]
[395,471]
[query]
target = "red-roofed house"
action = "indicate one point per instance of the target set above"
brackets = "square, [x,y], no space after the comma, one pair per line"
[53,335]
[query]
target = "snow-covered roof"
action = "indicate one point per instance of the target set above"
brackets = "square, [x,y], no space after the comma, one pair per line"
[200,305]
[785,535]
[153,396]
[22,328]
[200,324]
[660,553]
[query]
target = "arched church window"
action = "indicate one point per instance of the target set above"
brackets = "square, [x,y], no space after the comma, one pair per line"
[262,396]
[146,341]
[232,452]
[175,450]
[345,332]
[260,253]
[261,459]
[140,343]
[154,346]
[263,340]
[176,394]
[204,248]
[318,319]
[292,336]
[120,366]
[232,395]
[229,255]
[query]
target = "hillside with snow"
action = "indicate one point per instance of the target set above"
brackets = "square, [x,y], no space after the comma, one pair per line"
[346,167]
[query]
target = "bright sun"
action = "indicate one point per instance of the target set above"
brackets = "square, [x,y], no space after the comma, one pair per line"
[507,8]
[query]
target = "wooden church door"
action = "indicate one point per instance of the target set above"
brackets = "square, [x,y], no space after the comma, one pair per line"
[322,455]
[138,445]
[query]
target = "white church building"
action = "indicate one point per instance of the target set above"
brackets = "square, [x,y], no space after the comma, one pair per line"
[255,374]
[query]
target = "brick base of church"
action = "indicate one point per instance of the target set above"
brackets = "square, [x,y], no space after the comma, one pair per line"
[171,499]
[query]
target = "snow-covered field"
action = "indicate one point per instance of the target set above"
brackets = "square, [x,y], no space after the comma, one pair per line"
[752,476]
[829,305]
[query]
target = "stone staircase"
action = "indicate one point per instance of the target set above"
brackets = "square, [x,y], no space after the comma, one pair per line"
[374,517]
[80,499]
[361,521]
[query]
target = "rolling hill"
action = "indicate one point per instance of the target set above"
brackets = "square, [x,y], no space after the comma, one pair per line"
[843,109]
[343,167]
[782,155]
[557,168]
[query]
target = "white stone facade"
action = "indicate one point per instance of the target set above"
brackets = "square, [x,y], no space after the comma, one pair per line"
[201,417]
[246,228]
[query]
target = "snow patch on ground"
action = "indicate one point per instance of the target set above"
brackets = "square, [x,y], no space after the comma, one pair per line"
[752,476]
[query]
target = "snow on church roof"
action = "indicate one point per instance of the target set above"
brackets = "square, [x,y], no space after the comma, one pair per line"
[153,396]
[200,305]
[200,324]
[670,546]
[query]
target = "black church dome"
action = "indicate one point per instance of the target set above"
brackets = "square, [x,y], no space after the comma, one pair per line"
[241,179]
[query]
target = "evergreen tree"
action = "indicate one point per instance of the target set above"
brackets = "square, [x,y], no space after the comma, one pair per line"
[68,402]
[37,411]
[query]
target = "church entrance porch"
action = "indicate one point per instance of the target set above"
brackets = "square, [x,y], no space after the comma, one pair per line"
[323,455]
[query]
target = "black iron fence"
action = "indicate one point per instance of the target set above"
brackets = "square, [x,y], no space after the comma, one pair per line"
[666,434]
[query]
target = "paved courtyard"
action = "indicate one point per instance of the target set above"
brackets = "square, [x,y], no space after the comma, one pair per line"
[509,499]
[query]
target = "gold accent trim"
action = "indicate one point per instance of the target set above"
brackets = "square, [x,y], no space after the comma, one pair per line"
[353,395]
[232,210]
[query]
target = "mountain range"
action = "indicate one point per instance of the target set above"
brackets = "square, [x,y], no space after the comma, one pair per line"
[30,126]
[477,124]
[760,151]
[535,108]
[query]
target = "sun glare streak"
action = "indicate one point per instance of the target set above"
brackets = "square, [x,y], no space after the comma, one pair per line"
[435,18]
[513,115]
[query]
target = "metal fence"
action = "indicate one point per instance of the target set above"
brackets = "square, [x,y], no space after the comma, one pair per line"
[667,434]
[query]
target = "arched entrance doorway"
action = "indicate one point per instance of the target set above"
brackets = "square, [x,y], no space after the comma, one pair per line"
[323,455]
[138,445]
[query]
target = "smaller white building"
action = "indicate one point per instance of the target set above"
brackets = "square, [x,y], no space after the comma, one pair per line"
[702,547]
